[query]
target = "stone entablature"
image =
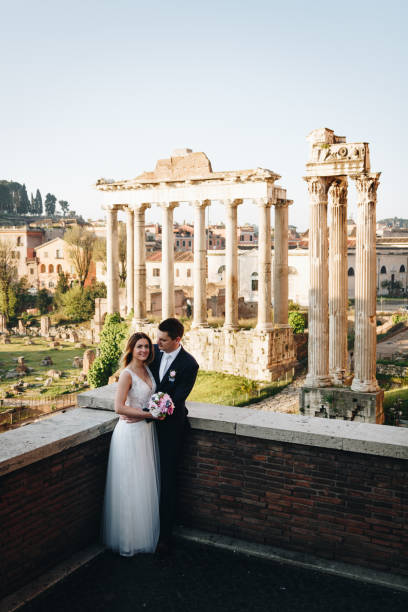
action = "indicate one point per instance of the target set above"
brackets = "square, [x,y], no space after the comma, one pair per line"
[331,155]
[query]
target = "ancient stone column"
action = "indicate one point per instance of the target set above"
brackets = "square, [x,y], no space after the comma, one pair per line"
[167,268]
[365,284]
[264,265]
[129,259]
[139,266]
[231,264]
[112,259]
[318,346]
[280,264]
[200,264]
[338,289]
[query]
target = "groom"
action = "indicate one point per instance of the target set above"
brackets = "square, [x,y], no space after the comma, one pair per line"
[175,372]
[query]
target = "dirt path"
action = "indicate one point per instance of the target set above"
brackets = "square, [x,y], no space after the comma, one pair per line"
[286,401]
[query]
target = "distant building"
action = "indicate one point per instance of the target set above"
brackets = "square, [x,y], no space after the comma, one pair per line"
[52,258]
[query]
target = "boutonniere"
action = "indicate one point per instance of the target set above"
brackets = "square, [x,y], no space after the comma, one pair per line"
[172,375]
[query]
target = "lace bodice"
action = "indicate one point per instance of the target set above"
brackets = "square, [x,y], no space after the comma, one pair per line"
[139,393]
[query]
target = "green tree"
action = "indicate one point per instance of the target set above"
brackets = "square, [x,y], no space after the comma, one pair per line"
[5,198]
[81,244]
[38,203]
[43,300]
[49,204]
[297,322]
[99,253]
[32,207]
[64,206]
[24,201]
[8,274]
[77,304]
[113,336]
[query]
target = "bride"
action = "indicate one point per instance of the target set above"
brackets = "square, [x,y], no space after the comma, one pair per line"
[131,508]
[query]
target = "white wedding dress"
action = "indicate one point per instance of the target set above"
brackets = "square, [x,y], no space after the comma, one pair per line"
[131,521]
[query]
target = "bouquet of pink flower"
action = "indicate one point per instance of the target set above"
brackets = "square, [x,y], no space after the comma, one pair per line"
[160,405]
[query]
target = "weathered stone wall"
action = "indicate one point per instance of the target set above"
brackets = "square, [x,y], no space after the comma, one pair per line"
[342,403]
[257,355]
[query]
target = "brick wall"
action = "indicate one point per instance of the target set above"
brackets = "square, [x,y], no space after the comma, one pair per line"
[338,505]
[50,510]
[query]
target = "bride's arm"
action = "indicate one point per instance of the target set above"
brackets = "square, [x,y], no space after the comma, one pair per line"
[124,384]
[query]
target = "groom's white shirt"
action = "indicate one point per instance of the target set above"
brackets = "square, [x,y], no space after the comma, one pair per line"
[166,361]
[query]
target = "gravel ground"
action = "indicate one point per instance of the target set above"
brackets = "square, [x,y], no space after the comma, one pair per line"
[286,401]
[203,579]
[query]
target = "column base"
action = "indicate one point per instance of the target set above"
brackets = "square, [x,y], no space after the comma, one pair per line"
[364,386]
[338,377]
[138,323]
[264,327]
[281,325]
[230,327]
[199,325]
[317,381]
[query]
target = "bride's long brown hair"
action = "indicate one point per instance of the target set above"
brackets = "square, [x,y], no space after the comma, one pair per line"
[131,343]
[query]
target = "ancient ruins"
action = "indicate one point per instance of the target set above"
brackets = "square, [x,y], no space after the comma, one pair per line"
[332,161]
[266,353]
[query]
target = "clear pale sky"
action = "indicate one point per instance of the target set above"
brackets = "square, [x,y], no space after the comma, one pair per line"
[97,88]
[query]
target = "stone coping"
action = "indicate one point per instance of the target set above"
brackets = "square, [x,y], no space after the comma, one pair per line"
[95,416]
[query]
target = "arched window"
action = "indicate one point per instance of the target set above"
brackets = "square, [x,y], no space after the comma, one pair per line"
[19,242]
[59,268]
[50,269]
[383,270]
[350,272]
[254,281]
[42,269]
[402,268]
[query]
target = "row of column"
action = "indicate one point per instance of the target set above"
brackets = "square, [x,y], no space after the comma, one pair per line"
[136,260]
[328,294]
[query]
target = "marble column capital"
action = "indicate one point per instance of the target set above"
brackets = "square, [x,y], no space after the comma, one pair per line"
[366,185]
[168,205]
[141,207]
[232,203]
[338,192]
[263,202]
[282,203]
[318,187]
[201,203]
[112,208]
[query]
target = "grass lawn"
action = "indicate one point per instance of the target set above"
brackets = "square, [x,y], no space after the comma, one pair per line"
[229,390]
[33,354]
[391,398]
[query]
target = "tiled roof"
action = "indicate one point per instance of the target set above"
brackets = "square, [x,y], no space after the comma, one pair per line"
[178,256]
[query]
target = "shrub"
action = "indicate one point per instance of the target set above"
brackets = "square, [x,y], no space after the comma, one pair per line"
[77,304]
[297,322]
[113,335]
[398,317]
[293,306]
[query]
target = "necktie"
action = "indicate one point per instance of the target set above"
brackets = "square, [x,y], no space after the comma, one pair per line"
[164,365]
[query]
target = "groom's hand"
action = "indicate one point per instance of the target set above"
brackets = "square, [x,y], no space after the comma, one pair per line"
[129,419]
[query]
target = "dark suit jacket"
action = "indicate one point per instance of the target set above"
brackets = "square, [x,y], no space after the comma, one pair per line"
[184,369]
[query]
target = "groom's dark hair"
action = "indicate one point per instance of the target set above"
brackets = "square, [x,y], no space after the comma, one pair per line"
[173,327]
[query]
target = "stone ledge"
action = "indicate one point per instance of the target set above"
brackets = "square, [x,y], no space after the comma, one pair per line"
[50,436]
[21,447]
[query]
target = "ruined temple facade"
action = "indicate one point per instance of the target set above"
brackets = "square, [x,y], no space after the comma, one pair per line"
[188,177]
[327,390]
